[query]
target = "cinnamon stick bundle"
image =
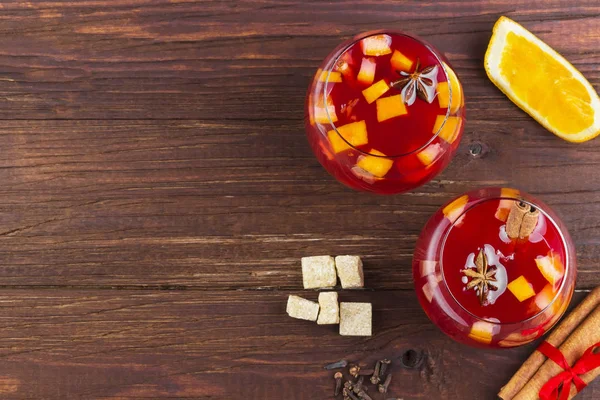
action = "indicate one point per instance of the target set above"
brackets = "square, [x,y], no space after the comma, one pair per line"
[538,369]
[521,220]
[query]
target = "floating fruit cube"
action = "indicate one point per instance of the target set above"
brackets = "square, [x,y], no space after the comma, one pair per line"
[337,143]
[455,209]
[375,91]
[378,166]
[366,75]
[545,297]
[400,62]
[364,175]
[390,107]
[509,192]
[551,267]
[376,45]
[450,129]
[333,76]
[355,134]
[323,112]
[427,267]
[345,65]
[428,155]
[482,331]
[506,203]
[430,286]
[444,92]
[521,288]
[503,209]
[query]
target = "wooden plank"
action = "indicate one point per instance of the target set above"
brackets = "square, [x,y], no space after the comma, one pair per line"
[222,345]
[227,205]
[251,60]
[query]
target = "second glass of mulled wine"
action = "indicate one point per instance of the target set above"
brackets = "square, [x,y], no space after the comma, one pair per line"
[494,268]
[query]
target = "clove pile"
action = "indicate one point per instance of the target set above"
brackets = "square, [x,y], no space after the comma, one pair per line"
[360,380]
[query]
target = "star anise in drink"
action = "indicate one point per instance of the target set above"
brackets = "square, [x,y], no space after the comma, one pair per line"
[483,278]
[418,83]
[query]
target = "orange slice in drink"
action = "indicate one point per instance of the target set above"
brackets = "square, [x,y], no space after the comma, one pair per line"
[551,267]
[390,107]
[366,75]
[377,166]
[542,83]
[450,129]
[521,288]
[443,89]
[482,331]
[400,62]
[376,45]
[354,133]
[454,210]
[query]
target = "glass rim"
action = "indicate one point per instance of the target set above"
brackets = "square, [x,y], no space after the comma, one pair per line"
[430,48]
[563,242]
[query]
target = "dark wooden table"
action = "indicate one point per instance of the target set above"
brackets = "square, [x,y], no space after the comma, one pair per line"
[158,192]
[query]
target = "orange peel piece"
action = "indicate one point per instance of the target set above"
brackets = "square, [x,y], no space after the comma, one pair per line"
[366,75]
[521,288]
[375,91]
[355,134]
[449,131]
[551,267]
[454,210]
[334,77]
[400,62]
[482,331]
[377,166]
[429,154]
[443,90]
[390,107]
[376,45]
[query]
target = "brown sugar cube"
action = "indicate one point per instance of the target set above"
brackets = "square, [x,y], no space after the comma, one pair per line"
[350,271]
[356,319]
[330,309]
[318,272]
[300,308]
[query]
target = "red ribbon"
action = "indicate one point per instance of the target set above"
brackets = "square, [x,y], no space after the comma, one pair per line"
[559,387]
[538,330]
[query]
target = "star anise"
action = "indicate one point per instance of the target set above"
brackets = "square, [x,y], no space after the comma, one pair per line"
[483,279]
[419,83]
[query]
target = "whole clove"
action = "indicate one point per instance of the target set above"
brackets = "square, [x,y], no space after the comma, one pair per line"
[384,366]
[383,387]
[348,385]
[354,370]
[358,386]
[337,365]
[350,395]
[345,394]
[338,383]
[375,379]
[363,395]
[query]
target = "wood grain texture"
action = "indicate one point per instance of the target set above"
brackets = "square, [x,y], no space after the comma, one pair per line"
[99,344]
[154,144]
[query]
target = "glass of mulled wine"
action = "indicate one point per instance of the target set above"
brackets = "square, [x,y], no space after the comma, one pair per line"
[494,268]
[384,112]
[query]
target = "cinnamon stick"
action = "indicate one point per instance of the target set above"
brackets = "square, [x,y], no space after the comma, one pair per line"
[530,220]
[515,219]
[573,348]
[555,338]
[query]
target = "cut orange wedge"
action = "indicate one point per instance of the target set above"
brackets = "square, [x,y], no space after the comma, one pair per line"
[542,83]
